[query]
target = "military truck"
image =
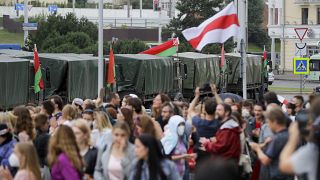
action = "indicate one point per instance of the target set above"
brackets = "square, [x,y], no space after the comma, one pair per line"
[74,75]
[257,82]
[14,81]
[144,75]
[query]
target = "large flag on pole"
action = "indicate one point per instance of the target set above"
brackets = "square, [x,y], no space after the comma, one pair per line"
[216,29]
[38,82]
[166,49]
[110,78]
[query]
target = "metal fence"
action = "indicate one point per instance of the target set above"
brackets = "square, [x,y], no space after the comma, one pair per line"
[132,22]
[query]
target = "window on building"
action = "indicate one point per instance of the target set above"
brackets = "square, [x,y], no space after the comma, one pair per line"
[304,15]
[318,15]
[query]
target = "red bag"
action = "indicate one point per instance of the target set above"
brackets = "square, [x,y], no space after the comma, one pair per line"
[191,162]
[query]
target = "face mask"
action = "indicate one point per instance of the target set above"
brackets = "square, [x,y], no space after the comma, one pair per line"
[14,161]
[181,130]
[245,113]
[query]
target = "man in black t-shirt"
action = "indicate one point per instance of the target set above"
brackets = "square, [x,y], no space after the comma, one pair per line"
[276,120]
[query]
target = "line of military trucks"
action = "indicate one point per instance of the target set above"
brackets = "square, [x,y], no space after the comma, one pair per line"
[75,75]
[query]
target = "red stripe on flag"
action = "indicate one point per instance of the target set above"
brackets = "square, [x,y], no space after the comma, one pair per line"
[222,56]
[160,48]
[111,79]
[222,22]
[37,66]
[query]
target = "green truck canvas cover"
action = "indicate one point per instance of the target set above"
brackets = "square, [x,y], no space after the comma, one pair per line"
[14,81]
[254,68]
[196,65]
[144,74]
[70,75]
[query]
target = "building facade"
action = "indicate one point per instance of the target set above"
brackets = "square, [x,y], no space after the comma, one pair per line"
[288,16]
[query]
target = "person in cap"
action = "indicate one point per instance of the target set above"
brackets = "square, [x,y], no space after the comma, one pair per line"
[7,143]
[78,102]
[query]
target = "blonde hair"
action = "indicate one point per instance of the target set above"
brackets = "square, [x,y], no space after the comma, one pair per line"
[9,119]
[82,125]
[69,112]
[64,141]
[102,121]
[30,159]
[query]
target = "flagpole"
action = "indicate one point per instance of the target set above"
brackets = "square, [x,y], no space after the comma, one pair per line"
[100,50]
[242,18]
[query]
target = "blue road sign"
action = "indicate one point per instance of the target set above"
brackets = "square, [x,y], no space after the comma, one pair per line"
[30,26]
[53,8]
[301,66]
[19,7]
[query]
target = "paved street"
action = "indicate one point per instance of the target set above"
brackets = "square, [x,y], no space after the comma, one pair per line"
[293,84]
[288,89]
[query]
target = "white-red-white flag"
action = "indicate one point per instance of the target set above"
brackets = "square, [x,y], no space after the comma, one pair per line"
[216,29]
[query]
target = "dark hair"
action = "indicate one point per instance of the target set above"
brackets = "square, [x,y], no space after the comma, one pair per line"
[237,116]
[40,120]
[155,157]
[261,105]
[57,100]
[24,121]
[271,97]
[111,96]
[210,106]
[173,108]
[300,98]
[136,104]
[48,106]
[227,108]
[112,112]
[128,117]
[184,104]
[90,106]
[247,103]
[238,105]
[275,114]
[293,107]
[164,98]
[219,169]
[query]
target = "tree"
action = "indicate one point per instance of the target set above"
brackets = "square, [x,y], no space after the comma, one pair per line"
[193,13]
[256,34]
[58,30]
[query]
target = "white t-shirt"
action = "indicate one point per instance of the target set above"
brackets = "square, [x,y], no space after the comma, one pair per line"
[114,168]
[305,160]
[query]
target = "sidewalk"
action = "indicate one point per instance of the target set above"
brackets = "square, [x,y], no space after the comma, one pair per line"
[287,76]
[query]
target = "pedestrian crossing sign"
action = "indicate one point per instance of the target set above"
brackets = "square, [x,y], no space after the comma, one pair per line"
[301,65]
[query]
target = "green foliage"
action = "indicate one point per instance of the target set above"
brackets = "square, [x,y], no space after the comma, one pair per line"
[126,47]
[256,34]
[58,32]
[79,39]
[65,48]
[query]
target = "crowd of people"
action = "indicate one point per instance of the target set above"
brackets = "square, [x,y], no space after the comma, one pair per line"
[209,138]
